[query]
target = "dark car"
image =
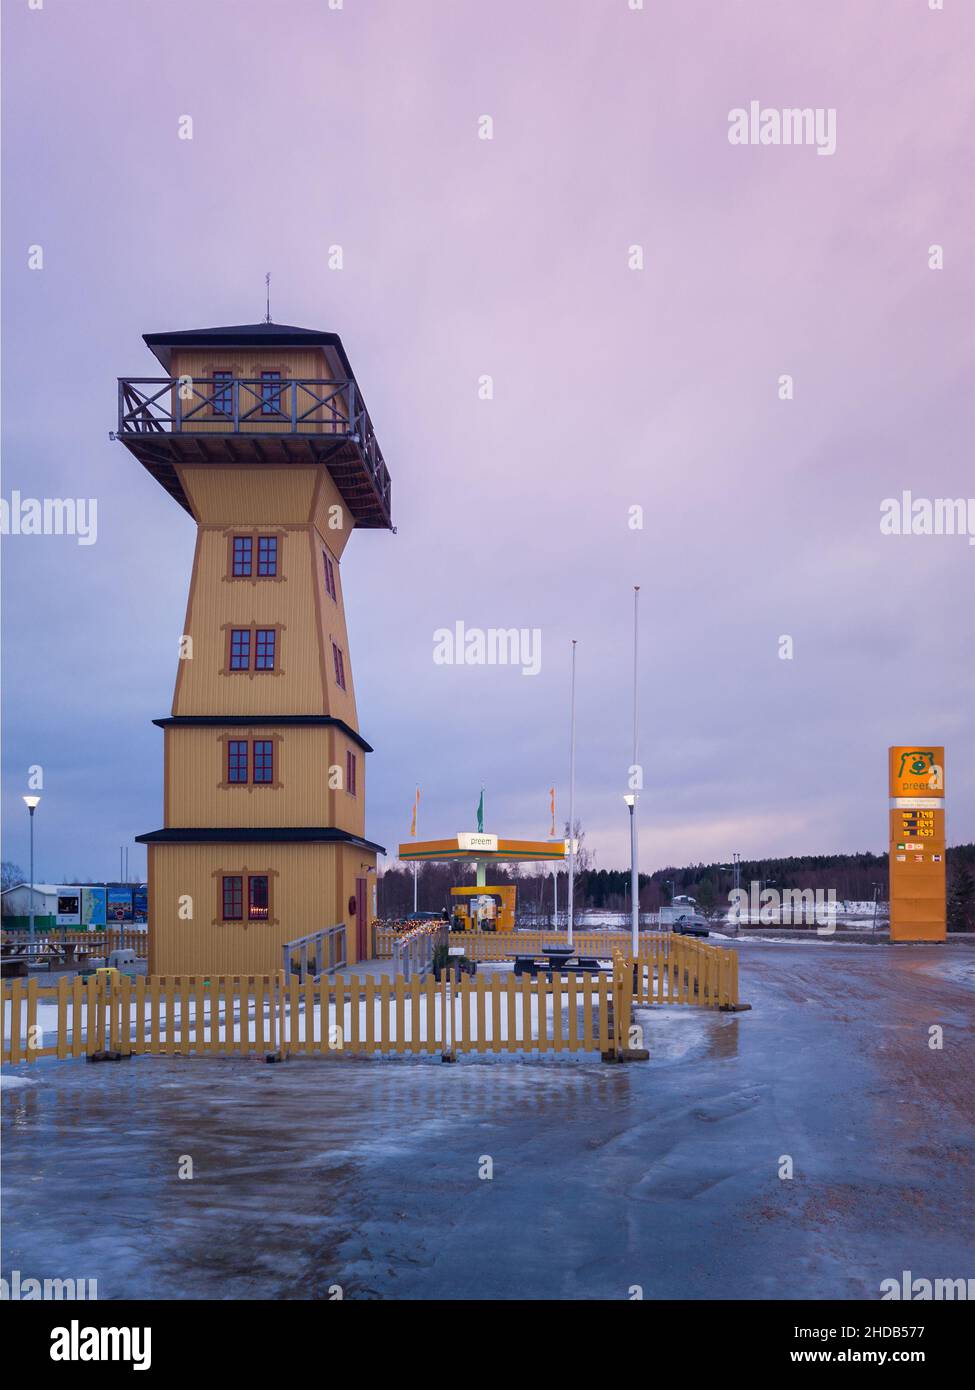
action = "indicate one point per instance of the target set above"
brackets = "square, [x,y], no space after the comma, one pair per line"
[691,925]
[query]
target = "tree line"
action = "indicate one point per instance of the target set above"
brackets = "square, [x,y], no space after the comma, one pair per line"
[853,878]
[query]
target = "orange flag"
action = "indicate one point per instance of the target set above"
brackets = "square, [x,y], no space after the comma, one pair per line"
[416,805]
[552,802]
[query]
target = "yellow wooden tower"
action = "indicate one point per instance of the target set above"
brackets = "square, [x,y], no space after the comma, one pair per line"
[261,433]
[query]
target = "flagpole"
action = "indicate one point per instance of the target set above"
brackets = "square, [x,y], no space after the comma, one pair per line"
[634,870]
[416,864]
[572,791]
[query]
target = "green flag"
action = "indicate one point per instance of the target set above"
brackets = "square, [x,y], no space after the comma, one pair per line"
[480,813]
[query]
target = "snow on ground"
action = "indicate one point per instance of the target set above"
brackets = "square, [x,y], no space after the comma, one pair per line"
[959,969]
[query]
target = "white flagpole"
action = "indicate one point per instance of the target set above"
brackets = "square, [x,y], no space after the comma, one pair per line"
[572,790]
[634,870]
[416,818]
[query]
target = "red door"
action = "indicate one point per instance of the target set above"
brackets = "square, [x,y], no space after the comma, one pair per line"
[361,929]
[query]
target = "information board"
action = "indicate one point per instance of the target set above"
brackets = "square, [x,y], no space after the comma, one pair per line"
[916,786]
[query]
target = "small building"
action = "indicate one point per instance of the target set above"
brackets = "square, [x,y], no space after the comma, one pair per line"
[15,906]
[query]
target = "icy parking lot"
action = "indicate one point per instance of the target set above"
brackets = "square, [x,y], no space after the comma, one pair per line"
[366,1174]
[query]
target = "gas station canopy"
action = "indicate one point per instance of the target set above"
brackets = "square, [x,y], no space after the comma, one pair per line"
[486,848]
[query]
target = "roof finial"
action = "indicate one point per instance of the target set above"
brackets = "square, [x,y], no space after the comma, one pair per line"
[267,283]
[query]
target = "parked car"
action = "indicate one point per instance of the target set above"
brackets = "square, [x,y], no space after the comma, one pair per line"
[690,924]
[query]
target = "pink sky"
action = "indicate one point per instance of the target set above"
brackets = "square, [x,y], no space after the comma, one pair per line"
[508,257]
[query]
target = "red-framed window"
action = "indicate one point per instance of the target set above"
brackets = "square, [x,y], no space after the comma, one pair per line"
[264,647]
[223,393]
[339,666]
[237,760]
[350,772]
[270,393]
[233,898]
[240,649]
[243,556]
[258,898]
[329,576]
[267,556]
[263,760]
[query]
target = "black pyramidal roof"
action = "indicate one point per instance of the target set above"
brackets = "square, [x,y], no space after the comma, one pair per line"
[149,430]
[244,335]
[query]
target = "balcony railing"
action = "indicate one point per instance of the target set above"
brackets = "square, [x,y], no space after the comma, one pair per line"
[323,413]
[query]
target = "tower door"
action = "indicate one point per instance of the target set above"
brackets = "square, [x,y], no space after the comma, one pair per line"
[361,930]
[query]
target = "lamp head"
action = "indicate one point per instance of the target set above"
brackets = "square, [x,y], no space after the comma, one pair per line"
[630,799]
[31,801]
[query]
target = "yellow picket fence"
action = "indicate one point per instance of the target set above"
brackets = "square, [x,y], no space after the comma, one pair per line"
[673,969]
[74,944]
[276,1015]
[678,970]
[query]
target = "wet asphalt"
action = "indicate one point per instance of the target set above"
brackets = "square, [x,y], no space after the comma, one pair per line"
[371,1176]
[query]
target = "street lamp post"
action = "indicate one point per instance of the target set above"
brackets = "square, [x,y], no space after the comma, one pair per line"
[32,803]
[634,880]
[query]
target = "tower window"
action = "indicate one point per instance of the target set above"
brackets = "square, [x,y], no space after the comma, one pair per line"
[243,556]
[240,649]
[233,898]
[350,773]
[263,760]
[253,556]
[237,760]
[223,393]
[329,576]
[258,898]
[270,393]
[339,666]
[264,649]
[267,556]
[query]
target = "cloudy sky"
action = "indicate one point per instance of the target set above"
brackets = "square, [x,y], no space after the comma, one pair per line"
[614,388]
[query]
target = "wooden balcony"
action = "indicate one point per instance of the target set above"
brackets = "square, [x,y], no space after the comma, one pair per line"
[165,421]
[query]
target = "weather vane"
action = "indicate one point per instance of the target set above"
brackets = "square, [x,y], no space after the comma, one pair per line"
[267,284]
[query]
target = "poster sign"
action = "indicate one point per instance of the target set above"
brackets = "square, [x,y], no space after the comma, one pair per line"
[119,906]
[69,907]
[92,908]
[916,788]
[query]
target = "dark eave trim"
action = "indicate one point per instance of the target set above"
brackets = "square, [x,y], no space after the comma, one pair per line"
[269,835]
[247,336]
[249,720]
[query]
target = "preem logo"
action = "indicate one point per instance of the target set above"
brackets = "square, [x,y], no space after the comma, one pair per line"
[916,763]
[50,516]
[793,125]
[77,1343]
[493,646]
[908,515]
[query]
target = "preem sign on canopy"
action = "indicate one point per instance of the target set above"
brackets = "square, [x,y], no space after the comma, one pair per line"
[916,785]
